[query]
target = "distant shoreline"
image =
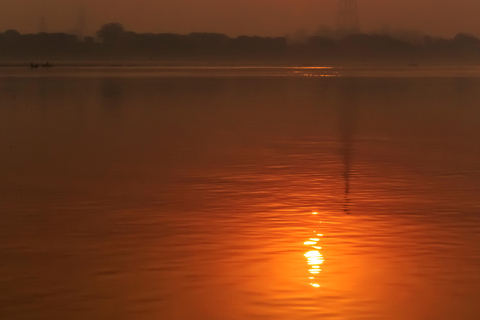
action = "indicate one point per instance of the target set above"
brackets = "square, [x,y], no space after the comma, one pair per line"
[115,46]
[208,64]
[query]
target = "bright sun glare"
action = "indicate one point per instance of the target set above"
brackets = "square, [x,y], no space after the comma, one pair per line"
[314,257]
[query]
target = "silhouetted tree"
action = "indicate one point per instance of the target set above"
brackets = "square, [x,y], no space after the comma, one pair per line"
[466,40]
[116,43]
[111,32]
[321,42]
[88,40]
[11,33]
[207,43]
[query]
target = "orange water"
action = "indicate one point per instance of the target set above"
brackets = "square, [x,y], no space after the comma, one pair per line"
[190,193]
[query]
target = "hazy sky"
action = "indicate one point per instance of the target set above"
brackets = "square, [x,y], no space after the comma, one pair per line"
[235,17]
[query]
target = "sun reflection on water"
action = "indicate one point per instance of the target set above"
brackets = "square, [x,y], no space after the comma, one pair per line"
[314,257]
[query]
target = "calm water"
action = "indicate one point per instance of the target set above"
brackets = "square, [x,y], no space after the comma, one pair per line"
[150,193]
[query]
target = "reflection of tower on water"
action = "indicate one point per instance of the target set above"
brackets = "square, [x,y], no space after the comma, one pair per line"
[314,257]
[347,119]
[346,152]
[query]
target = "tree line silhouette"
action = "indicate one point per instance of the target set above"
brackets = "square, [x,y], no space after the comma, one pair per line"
[114,42]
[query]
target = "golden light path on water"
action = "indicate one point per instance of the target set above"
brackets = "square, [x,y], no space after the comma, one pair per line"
[314,257]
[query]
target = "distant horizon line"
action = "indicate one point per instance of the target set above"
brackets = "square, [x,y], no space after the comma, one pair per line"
[322,31]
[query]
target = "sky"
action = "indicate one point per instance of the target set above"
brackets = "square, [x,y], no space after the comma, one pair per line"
[237,17]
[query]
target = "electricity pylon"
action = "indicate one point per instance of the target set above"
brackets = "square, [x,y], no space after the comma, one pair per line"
[81,23]
[347,19]
[42,26]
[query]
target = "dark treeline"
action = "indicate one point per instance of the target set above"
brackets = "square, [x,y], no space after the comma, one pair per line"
[113,42]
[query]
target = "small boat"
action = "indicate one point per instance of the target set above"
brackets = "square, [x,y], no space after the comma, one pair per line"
[47,65]
[33,65]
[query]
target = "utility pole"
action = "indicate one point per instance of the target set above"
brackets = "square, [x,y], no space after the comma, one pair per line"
[347,19]
[81,22]
[42,26]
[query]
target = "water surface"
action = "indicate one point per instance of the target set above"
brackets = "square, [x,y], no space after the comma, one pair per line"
[189,193]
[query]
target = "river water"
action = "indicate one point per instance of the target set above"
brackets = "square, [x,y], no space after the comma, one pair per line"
[240,193]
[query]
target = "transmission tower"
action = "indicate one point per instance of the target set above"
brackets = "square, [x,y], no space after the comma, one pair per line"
[347,20]
[81,23]
[42,26]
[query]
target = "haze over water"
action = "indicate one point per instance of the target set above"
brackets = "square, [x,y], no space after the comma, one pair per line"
[240,193]
[239,17]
